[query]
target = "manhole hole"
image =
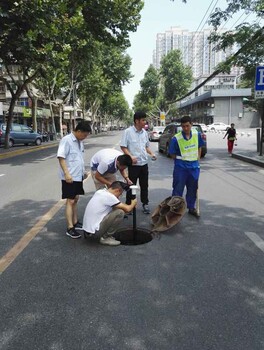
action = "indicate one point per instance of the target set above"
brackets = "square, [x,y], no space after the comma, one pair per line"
[128,236]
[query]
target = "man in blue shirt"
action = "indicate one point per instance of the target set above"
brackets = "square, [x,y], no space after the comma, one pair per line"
[135,143]
[185,148]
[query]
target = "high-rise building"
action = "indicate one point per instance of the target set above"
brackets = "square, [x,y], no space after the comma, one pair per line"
[197,52]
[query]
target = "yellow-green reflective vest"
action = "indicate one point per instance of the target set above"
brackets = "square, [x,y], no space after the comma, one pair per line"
[188,148]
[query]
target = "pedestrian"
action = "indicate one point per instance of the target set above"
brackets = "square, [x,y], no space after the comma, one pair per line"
[185,149]
[105,164]
[104,213]
[72,173]
[135,143]
[231,137]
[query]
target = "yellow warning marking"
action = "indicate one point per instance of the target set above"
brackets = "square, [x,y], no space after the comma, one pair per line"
[13,253]
[13,153]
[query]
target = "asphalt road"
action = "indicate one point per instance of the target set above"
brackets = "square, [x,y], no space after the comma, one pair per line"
[198,286]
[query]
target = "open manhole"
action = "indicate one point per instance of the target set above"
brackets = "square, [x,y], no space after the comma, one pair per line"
[130,236]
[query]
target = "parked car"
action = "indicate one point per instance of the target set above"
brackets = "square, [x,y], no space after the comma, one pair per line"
[155,133]
[204,127]
[218,127]
[20,134]
[173,129]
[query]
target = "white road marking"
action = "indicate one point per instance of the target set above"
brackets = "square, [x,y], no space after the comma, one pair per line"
[52,156]
[256,239]
[2,174]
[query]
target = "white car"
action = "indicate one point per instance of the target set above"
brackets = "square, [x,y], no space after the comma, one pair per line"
[204,127]
[218,127]
[155,133]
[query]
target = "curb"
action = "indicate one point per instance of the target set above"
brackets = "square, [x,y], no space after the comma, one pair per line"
[254,161]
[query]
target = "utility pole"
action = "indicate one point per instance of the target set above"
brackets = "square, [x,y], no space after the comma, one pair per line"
[262,130]
[259,94]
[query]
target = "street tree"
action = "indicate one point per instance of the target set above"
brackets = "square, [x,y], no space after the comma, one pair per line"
[146,99]
[176,77]
[159,87]
[107,73]
[115,107]
[58,27]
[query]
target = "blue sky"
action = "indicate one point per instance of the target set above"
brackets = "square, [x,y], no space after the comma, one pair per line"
[158,16]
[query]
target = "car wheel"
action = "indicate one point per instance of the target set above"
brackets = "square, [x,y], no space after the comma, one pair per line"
[11,143]
[38,142]
[26,144]
[212,129]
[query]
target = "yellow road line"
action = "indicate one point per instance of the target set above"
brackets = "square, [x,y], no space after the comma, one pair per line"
[24,151]
[13,253]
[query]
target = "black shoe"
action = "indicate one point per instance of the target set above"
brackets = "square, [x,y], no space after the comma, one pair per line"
[194,212]
[71,232]
[86,234]
[78,226]
[146,209]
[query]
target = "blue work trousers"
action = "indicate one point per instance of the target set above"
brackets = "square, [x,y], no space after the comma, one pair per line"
[186,177]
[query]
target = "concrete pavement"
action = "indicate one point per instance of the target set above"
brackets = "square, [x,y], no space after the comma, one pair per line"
[197,287]
[246,149]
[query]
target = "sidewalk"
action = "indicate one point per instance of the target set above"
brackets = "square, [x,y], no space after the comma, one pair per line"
[250,157]
[246,150]
[247,147]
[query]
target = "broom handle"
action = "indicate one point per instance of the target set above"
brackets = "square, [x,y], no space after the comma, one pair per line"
[197,202]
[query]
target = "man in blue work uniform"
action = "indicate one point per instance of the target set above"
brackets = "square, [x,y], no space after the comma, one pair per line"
[185,148]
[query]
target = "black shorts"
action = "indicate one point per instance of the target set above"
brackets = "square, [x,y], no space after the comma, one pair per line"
[71,190]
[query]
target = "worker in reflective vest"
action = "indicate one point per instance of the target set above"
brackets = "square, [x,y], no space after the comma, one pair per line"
[185,149]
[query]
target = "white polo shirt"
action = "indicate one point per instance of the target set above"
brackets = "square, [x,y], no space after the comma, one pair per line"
[104,161]
[97,208]
[72,150]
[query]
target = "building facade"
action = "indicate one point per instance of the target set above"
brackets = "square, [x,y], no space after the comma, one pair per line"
[197,52]
[222,105]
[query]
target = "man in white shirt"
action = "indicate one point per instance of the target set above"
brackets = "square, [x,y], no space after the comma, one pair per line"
[104,212]
[72,173]
[135,143]
[105,164]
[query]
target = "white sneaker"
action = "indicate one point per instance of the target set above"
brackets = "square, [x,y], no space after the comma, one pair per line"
[109,241]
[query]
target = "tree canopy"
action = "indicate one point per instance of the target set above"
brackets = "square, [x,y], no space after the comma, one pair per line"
[159,87]
[67,38]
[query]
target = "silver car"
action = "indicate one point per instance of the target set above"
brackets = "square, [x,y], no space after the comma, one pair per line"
[155,133]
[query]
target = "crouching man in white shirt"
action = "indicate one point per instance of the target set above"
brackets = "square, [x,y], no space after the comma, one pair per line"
[104,212]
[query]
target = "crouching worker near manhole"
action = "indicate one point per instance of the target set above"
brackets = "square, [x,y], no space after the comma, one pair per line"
[104,213]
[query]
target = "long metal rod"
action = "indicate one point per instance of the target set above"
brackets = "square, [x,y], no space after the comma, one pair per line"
[134,223]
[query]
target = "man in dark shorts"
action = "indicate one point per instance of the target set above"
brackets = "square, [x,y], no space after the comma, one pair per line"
[72,173]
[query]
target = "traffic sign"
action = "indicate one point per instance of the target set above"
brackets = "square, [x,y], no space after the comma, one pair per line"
[259,82]
[162,118]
